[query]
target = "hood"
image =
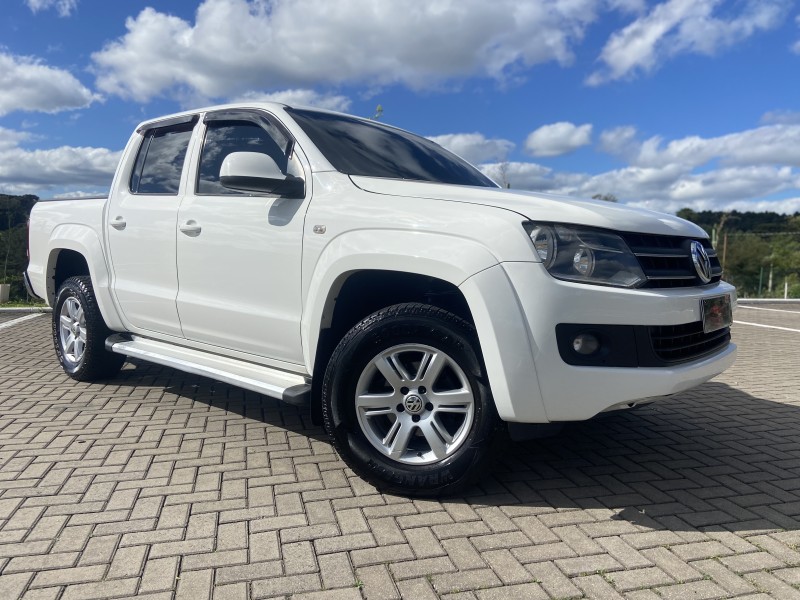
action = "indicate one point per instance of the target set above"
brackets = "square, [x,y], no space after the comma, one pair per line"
[540,207]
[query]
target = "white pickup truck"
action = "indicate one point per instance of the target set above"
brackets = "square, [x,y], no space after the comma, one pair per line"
[415,307]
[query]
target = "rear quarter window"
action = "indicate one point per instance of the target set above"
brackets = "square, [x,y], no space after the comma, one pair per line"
[159,163]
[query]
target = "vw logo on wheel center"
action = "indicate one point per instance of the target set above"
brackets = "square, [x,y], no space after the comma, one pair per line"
[702,264]
[413,404]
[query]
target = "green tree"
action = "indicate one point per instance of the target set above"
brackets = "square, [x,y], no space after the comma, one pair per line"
[757,243]
[747,263]
[785,262]
[14,211]
[606,197]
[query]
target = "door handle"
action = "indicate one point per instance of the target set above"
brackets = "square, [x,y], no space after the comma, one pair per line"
[119,223]
[191,228]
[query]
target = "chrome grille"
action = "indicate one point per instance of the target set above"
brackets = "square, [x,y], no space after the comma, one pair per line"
[667,260]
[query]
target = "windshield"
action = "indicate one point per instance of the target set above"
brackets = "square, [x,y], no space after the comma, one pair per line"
[357,147]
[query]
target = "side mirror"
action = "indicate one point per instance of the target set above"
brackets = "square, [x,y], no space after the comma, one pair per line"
[257,172]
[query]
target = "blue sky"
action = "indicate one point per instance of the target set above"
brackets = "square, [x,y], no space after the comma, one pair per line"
[664,104]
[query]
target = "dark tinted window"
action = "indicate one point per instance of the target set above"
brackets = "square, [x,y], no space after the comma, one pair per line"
[160,160]
[225,137]
[358,147]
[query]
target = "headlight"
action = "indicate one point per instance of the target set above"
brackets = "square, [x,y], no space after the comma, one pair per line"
[544,240]
[585,255]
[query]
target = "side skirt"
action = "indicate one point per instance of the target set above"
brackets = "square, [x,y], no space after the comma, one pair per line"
[288,387]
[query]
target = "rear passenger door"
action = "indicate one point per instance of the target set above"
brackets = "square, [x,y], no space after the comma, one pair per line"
[142,228]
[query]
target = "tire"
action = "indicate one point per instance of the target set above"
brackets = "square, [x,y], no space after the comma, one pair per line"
[79,333]
[407,404]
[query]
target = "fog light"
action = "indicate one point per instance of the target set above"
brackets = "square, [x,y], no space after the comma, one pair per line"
[585,344]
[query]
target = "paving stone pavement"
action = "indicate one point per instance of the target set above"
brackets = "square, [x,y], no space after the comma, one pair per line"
[6,316]
[162,485]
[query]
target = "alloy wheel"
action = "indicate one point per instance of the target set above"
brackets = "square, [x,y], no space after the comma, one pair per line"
[414,404]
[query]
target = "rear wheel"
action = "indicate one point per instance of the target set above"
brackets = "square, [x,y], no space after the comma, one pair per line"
[406,401]
[79,333]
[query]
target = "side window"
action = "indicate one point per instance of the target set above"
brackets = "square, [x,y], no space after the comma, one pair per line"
[226,137]
[160,160]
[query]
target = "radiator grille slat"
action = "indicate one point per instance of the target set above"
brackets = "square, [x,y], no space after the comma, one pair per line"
[667,261]
[679,343]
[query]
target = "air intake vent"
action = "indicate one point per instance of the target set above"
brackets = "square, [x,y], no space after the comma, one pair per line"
[680,343]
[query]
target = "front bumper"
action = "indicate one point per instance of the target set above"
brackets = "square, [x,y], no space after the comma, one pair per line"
[573,393]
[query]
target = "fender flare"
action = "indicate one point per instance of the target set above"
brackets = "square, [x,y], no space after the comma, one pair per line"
[507,345]
[85,241]
[449,258]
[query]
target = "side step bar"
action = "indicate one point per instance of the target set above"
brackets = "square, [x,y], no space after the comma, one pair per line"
[274,383]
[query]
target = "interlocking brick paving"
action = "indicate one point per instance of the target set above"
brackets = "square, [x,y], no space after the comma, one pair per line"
[8,315]
[158,484]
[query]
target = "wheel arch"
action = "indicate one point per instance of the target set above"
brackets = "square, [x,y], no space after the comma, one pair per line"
[75,249]
[64,263]
[345,305]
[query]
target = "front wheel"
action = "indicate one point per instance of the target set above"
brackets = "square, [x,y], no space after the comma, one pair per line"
[79,333]
[406,401]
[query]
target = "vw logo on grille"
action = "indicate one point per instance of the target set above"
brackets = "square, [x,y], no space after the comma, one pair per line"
[413,404]
[702,264]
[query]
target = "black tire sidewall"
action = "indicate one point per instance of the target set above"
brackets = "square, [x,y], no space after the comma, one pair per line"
[69,290]
[368,339]
[96,362]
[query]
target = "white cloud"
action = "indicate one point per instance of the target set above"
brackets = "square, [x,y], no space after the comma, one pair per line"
[770,144]
[619,141]
[27,84]
[26,171]
[64,7]
[734,183]
[781,117]
[666,189]
[743,170]
[474,147]
[238,45]
[681,27]
[786,206]
[10,138]
[630,6]
[298,97]
[558,138]
[77,194]
[796,45]
[532,176]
